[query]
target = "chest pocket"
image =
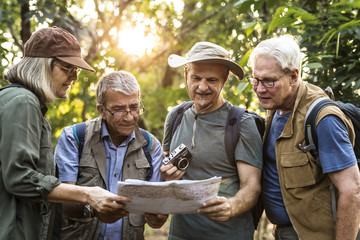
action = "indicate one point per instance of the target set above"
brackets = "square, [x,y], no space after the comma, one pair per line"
[141,167]
[89,174]
[297,170]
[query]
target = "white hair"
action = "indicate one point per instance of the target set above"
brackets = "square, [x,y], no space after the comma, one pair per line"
[284,49]
[35,74]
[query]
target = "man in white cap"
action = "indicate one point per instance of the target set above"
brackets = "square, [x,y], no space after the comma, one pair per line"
[202,130]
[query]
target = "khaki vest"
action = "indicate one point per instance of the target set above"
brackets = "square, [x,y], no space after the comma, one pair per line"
[304,188]
[92,172]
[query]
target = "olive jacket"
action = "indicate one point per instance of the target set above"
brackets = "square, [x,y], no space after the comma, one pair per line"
[27,167]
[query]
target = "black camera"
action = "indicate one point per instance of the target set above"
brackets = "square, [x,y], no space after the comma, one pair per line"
[180,157]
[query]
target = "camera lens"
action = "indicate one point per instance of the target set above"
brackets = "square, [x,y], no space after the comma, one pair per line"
[183,163]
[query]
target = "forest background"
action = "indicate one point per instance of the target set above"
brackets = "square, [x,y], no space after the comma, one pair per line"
[138,36]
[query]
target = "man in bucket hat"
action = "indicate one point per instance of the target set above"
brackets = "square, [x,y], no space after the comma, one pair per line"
[28,181]
[202,130]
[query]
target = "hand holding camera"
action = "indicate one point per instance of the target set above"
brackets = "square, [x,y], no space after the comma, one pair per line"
[180,157]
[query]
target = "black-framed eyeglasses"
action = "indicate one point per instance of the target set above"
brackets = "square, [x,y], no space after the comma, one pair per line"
[135,111]
[69,71]
[267,83]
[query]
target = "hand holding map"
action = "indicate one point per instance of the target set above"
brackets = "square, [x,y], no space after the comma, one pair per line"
[177,196]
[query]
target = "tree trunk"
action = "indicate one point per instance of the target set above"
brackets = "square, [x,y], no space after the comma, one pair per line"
[25,23]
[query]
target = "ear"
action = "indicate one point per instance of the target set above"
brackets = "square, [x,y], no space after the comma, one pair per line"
[294,77]
[226,78]
[101,110]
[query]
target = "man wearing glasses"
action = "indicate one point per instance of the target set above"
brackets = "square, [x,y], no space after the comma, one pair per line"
[295,189]
[112,152]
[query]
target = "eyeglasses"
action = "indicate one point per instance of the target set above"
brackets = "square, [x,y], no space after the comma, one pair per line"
[69,71]
[267,83]
[135,111]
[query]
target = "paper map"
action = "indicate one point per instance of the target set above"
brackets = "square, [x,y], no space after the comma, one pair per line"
[177,196]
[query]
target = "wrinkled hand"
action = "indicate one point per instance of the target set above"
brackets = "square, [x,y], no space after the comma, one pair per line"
[170,172]
[113,216]
[217,208]
[155,220]
[108,207]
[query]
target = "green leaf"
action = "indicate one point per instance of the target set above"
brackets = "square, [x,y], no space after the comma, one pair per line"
[329,33]
[285,19]
[241,86]
[351,3]
[357,85]
[249,27]
[353,23]
[352,65]
[243,61]
[314,65]
[349,82]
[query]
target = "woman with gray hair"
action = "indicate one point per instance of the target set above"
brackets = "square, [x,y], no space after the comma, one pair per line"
[28,181]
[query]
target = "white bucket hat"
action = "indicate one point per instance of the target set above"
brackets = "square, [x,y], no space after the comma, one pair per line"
[207,52]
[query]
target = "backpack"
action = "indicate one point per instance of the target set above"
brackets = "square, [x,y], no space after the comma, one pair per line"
[311,138]
[232,135]
[79,134]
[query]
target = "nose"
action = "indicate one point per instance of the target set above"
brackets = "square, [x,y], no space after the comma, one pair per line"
[128,116]
[260,87]
[203,85]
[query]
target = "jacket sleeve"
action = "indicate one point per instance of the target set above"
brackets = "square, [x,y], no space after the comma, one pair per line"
[27,163]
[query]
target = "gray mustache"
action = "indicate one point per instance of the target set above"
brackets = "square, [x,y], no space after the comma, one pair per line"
[206,92]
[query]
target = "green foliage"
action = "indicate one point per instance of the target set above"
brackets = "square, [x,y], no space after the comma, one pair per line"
[328,32]
[330,39]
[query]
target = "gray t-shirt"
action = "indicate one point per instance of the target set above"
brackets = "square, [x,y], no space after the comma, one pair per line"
[209,159]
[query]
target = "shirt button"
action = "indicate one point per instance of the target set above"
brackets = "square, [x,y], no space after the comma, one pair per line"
[115,175]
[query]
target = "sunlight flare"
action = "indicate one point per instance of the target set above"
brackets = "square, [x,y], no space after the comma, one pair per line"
[134,41]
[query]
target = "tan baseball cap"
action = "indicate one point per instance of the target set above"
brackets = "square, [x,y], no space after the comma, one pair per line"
[207,52]
[58,43]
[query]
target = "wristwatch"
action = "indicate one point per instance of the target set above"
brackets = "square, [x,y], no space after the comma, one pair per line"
[88,211]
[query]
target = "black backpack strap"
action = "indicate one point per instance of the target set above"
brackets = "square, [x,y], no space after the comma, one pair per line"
[311,138]
[146,150]
[177,116]
[232,133]
[353,113]
[79,135]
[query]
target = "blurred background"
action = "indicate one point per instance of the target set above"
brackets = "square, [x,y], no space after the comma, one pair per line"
[138,36]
